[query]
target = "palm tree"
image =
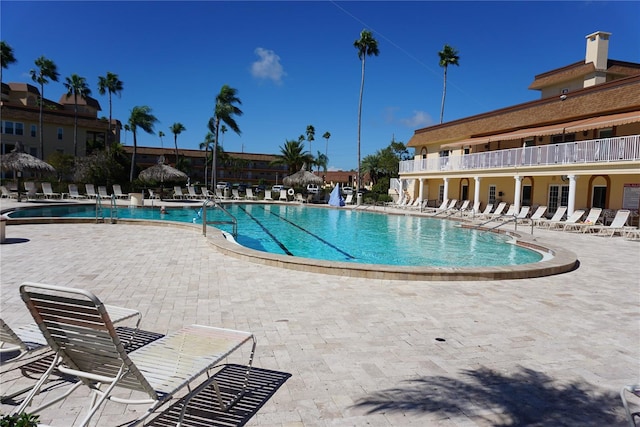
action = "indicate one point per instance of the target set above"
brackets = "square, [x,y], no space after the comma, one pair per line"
[46,70]
[127,128]
[448,56]
[224,111]
[366,46]
[142,118]
[76,86]
[207,145]
[161,134]
[6,57]
[109,84]
[292,155]
[311,133]
[223,130]
[176,129]
[326,136]
[322,161]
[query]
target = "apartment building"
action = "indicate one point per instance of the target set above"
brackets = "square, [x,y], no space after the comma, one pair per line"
[20,112]
[577,146]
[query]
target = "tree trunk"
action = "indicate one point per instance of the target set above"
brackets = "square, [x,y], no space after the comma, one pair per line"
[133,156]
[360,123]
[444,93]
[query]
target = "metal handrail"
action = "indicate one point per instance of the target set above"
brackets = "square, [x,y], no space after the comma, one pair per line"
[114,209]
[233,221]
[99,209]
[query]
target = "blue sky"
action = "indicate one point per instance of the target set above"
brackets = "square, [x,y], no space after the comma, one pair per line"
[294,64]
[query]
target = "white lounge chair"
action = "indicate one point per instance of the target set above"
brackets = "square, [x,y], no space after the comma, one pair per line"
[74,193]
[102,192]
[32,191]
[557,217]
[267,195]
[523,214]
[6,194]
[236,194]
[349,199]
[572,219]
[153,194]
[177,192]
[486,212]
[283,196]
[90,191]
[249,194]
[48,192]
[509,214]
[473,210]
[193,195]
[593,218]
[617,226]
[538,214]
[633,390]
[117,190]
[79,330]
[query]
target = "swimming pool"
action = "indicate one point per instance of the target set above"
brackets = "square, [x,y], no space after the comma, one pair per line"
[342,235]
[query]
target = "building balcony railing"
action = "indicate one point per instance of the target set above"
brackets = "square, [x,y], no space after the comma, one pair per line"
[595,151]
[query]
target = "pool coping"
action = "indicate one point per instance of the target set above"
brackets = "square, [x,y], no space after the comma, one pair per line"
[561,260]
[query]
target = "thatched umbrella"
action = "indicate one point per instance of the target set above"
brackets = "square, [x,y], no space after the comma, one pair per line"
[302,178]
[161,173]
[18,161]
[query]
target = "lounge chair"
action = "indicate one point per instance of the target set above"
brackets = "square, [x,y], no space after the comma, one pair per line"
[90,191]
[32,191]
[236,194]
[497,212]
[538,214]
[509,214]
[349,199]
[557,216]
[633,390]
[153,195]
[300,198]
[117,190]
[27,340]
[80,332]
[486,212]
[473,211]
[572,219]
[283,196]
[6,194]
[593,218]
[267,195]
[177,193]
[249,195]
[523,214]
[102,192]
[618,225]
[192,193]
[48,191]
[74,193]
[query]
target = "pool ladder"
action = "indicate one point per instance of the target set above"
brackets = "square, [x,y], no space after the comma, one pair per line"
[509,218]
[232,219]
[100,210]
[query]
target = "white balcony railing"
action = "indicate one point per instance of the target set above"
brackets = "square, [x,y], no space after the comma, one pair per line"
[605,150]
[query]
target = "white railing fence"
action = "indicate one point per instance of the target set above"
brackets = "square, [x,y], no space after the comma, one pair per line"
[625,148]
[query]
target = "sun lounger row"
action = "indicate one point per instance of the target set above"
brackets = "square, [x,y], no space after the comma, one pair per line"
[79,329]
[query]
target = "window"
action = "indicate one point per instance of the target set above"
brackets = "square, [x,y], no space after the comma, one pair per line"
[605,133]
[19,129]
[59,134]
[565,137]
[34,131]
[492,194]
[7,127]
[599,196]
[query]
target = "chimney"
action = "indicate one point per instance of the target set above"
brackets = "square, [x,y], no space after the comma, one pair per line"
[597,52]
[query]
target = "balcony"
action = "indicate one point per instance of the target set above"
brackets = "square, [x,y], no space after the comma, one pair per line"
[594,151]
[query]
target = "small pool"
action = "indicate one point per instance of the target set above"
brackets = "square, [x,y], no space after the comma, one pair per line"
[344,235]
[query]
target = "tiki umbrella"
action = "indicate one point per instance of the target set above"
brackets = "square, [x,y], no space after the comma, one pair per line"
[302,178]
[161,173]
[18,161]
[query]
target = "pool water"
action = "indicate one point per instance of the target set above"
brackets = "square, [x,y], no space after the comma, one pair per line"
[345,235]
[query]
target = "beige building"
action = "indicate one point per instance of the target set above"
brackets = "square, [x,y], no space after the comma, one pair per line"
[577,146]
[20,111]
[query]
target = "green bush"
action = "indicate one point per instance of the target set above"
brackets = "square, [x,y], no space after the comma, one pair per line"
[20,420]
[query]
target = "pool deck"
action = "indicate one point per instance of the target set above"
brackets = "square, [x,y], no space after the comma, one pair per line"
[546,351]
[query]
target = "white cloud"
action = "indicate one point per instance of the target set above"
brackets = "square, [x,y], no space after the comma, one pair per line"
[419,119]
[268,66]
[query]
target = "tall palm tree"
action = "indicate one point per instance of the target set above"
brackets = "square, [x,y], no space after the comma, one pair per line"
[160,135]
[110,84]
[224,111]
[46,70]
[127,128]
[142,118]
[207,145]
[293,156]
[223,130]
[311,133]
[366,46]
[76,86]
[176,129]
[322,161]
[448,56]
[6,57]
[326,136]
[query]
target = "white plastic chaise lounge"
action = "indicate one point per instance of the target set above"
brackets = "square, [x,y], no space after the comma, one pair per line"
[267,195]
[87,346]
[102,192]
[32,190]
[593,218]
[177,193]
[48,192]
[6,194]
[617,226]
[632,390]
[537,215]
[474,210]
[485,213]
[523,214]
[236,194]
[74,193]
[193,195]
[557,217]
[90,191]
[249,194]
[571,219]
[117,191]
